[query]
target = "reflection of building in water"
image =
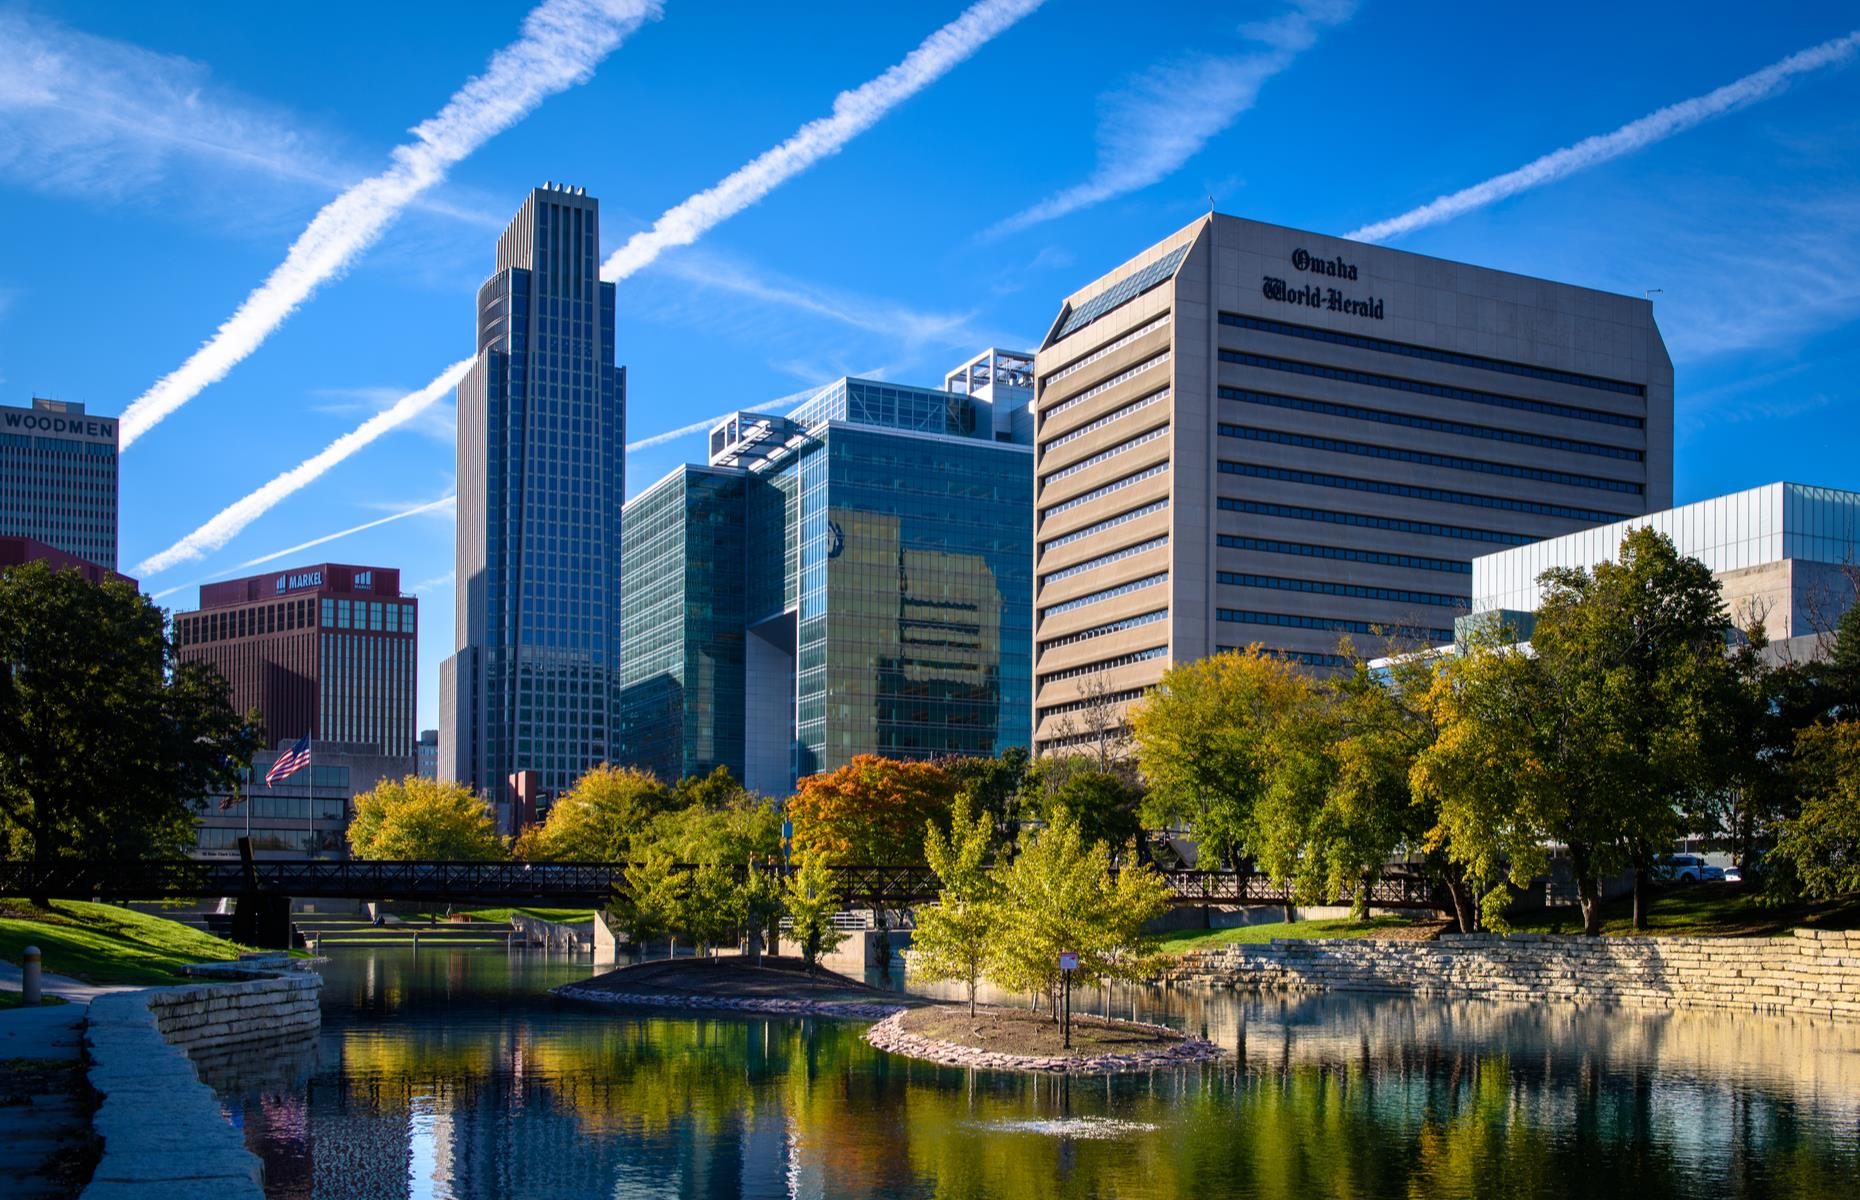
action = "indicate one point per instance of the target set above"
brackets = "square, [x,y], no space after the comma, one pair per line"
[881,548]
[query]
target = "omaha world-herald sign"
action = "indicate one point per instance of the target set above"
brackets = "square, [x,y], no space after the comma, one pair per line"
[1311,295]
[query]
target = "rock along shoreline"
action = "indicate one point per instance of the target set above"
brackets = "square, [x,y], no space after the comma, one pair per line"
[890,1035]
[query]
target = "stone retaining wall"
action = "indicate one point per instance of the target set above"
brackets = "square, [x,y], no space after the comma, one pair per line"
[1810,972]
[162,1130]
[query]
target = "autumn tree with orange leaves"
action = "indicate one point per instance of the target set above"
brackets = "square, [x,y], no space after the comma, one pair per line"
[871,811]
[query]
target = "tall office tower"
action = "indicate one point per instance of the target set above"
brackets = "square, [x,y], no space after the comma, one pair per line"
[58,479]
[853,578]
[326,650]
[1252,434]
[534,684]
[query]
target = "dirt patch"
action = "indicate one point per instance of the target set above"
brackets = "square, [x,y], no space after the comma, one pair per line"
[1020,1031]
[1420,931]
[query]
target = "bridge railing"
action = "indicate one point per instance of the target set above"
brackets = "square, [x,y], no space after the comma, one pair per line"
[859,886]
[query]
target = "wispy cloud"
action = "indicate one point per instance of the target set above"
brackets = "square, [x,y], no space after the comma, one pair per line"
[229,521]
[82,113]
[563,41]
[1635,135]
[440,422]
[854,112]
[1161,119]
[434,584]
[778,405]
[447,502]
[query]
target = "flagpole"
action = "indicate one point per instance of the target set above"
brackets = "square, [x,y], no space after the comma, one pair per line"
[310,752]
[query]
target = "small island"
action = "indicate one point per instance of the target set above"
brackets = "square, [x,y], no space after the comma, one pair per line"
[1019,1039]
[773,984]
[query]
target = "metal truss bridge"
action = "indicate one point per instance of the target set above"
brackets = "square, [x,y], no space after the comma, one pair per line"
[555,883]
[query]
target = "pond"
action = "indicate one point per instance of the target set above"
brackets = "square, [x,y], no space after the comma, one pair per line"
[451,1073]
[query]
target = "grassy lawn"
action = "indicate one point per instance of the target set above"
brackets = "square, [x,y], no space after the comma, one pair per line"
[1702,910]
[1182,940]
[565,916]
[100,943]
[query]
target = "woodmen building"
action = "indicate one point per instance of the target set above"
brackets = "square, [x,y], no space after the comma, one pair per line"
[1249,433]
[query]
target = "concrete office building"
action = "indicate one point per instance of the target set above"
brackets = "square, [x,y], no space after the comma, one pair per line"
[1249,433]
[1785,554]
[426,754]
[534,683]
[326,650]
[853,578]
[58,479]
[303,816]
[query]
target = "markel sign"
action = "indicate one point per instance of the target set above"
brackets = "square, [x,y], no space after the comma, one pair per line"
[1311,295]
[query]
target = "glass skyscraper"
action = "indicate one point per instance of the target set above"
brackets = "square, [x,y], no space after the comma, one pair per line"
[534,684]
[884,571]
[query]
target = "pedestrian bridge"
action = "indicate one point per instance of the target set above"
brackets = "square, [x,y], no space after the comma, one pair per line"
[559,884]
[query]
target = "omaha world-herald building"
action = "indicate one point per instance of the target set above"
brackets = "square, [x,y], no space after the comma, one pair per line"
[851,578]
[1253,434]
[534,684]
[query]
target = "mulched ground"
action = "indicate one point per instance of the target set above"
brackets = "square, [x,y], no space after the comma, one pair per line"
[1024,1032]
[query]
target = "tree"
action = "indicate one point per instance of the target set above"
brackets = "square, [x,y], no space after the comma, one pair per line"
[742,826]
[600,818]
[1599,737]
[416,818]
[953,936]
[758,900]
[707,910]
[870,811]
[813,900]
[1207,736]
[107,743]
[1822,842]
[1059,895]
[652,904]
[994,786]
[1104,805]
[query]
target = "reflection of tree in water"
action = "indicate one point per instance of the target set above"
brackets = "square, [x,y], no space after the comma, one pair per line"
[1335,1097]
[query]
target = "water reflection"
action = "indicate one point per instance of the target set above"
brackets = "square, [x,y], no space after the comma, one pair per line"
[449,1074]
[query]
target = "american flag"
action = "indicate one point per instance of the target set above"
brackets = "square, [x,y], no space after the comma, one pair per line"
[290,762]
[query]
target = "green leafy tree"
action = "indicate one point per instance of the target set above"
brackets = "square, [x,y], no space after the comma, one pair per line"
[652,904]
[707,912]
[954,936]
[600,818]
[870,811]
[715,791]
[1821,843]
[1105,805]
[1208,738]
[107,742]
[416,818]
[1059,895]
[757,901]
[994,786]
[729,827]
[812,900]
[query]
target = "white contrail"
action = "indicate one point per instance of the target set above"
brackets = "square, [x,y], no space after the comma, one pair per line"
[563,41]
[779,404]
[226,524]
[854,112]
[1635,135]
[403,514]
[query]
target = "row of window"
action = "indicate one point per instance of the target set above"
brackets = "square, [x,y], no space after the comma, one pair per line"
[1296,512]
[1462,428]
[1303,657]
[1113,486]
[1109,664]
[389,617]
[1086,464]
[1444,495]
[1361,342]
[1079,364]
[1241,616]
[1106,419]
[1106,594]
[1355,590]
[1451,461]
[1445,391]
[1454,566]
[1107,523]
[1109,627]
[1109,698]
[1104,559]
[1098,389]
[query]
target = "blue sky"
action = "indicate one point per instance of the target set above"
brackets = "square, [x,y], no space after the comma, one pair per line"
[157,161]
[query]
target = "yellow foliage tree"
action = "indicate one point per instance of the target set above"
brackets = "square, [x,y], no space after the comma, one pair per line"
[415,818]
[600,819]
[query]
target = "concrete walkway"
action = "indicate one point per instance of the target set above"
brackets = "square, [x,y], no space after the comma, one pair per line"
[45,1134]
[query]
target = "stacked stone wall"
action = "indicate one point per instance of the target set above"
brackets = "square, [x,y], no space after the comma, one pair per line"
[1810,972]
[162,1130]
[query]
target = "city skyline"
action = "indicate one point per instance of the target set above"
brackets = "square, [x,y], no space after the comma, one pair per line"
[222,170]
